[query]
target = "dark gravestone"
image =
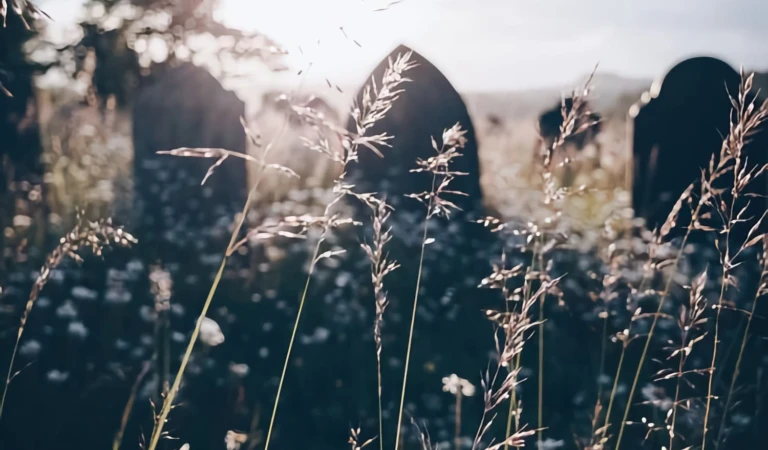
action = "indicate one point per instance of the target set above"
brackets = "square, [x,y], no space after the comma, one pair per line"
[586,128]
[551,120]
[453,264]
[186,107]
[677,129]
[428,106]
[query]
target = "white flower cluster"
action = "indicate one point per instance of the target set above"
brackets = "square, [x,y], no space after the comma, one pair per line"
[455,384]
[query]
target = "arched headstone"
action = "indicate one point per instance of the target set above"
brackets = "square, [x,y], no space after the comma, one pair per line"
[678,126]
[428,105]
[186,107]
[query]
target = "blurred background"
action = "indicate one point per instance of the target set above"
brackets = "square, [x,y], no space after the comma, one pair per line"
[90,90]
[510,61]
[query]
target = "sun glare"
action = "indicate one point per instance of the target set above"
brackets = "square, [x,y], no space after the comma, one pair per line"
[335,39]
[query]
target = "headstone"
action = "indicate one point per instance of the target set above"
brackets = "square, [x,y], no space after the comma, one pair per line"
[678,126]
[186,107]
[551,120]
[428,105]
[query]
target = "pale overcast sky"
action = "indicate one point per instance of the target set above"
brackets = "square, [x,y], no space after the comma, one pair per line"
[504,44]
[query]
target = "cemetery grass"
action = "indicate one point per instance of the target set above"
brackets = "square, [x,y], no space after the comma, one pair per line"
[659,288]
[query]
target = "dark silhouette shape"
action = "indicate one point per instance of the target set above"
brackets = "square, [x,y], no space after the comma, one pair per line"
[551,120]
[186,107]
[587,127]
[428,106]
[117,68]
[680,124]
[21,165]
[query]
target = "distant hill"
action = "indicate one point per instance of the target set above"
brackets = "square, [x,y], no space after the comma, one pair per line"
[612,95]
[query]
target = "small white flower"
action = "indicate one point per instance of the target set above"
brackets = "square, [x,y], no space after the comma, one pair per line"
[78,330]
[239,370]
[551,444]
[117,295]
[83,293]
[57,376]
[67,310]
[135,266]
[454,384]
[30,348]
[234,440]
[467,388]
[21,221]
[210,333]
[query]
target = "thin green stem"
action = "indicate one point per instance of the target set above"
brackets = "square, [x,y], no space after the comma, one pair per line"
[168,403]
[513,408]
[540,412]
[613,390]
[723,284]
[731,347]
[10,372]
[677,399]
[457,432]
[652,329]
[736,370]
[712,365]
[167,356]
[513,395]
[413,321]
[643,286]
[290,346]
[381,419]
[603,339]
[511,413]
[541,369]
[129,407]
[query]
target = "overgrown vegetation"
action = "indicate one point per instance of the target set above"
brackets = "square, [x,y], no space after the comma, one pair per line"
[672,317]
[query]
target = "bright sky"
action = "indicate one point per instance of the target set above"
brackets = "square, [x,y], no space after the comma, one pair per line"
[503,44]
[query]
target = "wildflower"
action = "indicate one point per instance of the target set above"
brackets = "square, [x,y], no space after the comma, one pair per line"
[67,310]
[551,444]
[234,440]
[239,370]
[57,376]
[78,330]
[210,333]
[455,384]
[83,293]
[30,349]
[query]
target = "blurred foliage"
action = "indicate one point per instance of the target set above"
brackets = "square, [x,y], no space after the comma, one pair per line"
[19,136]
[62,130]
